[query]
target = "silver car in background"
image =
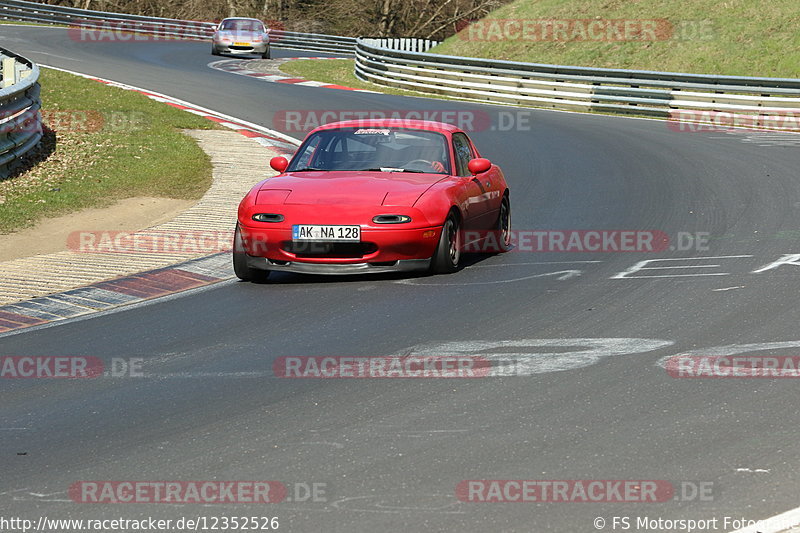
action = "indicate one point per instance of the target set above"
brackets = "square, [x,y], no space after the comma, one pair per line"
[240,36]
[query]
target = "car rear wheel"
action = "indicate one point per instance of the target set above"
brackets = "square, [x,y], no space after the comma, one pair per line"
[503,227]
[447,256]
[240,268]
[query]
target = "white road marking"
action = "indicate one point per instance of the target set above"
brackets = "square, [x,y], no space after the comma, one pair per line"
[788,259]
[562,275]
[626,274]
[536,263]
[336,445]
[526,360]
[381,507]
[54,55]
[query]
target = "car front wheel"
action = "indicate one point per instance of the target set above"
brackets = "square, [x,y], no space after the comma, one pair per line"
[240,268]
[447,256]
[503,227]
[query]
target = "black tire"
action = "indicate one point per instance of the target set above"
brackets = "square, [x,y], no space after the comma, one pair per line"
[503,226]
[240,268]
[214,51]
[447,257]
[267,54]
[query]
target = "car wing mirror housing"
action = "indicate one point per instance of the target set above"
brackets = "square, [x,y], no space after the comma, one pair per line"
[478,165]
[279,163]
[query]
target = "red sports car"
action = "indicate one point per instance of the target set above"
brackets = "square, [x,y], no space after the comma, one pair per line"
[373,196]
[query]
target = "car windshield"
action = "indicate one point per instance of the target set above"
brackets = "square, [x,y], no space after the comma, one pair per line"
[241,25]
[374,148]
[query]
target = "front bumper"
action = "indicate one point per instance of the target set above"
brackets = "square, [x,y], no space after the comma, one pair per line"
[380,250]
[406,265]
[232,49]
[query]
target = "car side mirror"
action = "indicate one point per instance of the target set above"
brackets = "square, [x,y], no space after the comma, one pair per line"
[479,165]
[279,163]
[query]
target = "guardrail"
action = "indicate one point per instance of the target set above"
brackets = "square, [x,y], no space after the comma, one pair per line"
[405,44]
[116,24]
[404,63]
[20,119]
[660,94]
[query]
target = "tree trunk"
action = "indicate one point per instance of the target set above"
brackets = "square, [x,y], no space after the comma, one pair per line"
[387,19]
[273,7]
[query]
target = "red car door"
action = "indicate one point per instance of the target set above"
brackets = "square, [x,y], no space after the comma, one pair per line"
[481,189]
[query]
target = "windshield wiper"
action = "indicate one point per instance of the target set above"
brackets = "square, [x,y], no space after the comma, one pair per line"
[390,169]
[309,169]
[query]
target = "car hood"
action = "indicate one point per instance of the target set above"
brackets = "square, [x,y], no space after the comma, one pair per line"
[348,188]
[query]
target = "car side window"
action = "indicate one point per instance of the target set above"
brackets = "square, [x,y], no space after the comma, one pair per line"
[304,160]
[463,152]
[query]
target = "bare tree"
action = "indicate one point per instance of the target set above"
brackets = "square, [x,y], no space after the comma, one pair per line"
[431,19]
[387,20]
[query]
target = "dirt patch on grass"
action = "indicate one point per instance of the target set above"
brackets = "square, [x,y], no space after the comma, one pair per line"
[50,235]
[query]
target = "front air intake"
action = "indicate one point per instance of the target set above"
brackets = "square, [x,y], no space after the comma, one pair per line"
[391,219]
[268,217]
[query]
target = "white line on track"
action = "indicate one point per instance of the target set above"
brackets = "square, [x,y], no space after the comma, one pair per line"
[564,274]
[535,263]
[55,55]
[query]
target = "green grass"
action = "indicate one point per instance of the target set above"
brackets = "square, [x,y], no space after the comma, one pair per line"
[109,144]
[734,37]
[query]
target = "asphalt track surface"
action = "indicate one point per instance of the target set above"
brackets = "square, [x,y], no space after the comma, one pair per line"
[391,451]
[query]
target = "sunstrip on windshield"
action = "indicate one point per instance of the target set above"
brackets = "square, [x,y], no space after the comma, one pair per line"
[370,131]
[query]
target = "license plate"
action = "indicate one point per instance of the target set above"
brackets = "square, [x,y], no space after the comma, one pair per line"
[305,232]
[241,44]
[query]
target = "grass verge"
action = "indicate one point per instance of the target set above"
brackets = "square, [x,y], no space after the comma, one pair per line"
[103,144]
[731,37]
[336,72]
